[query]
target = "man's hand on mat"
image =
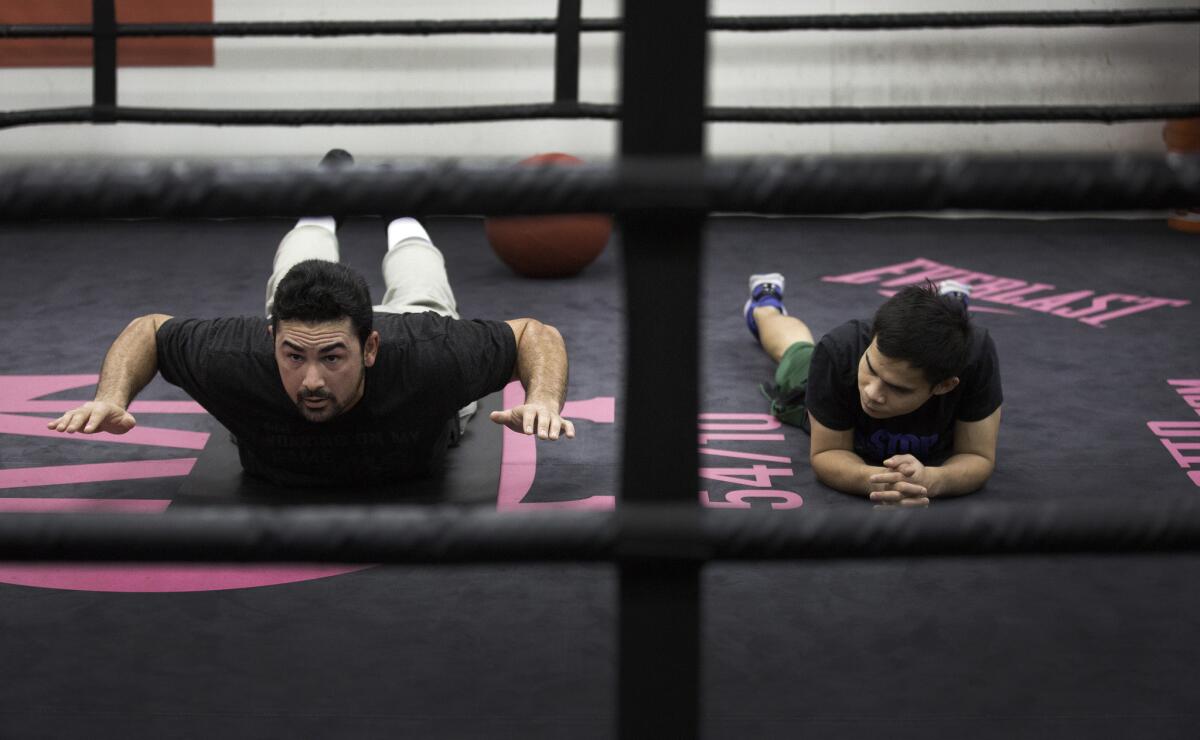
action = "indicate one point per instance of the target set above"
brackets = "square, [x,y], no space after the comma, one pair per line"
[535,418]
[94,416]
[905,483]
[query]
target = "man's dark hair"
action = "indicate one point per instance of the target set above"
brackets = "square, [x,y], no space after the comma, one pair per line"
[929,331]
[316,291]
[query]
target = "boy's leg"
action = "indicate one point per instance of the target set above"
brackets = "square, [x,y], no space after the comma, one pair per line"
[414,272]
[777,331]
[310,239]
[789,343]
[768,319]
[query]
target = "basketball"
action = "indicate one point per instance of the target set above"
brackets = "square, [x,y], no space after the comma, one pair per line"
[552,246]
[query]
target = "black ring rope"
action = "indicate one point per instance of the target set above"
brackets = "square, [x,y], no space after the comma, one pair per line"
[909,21]
[806,185]
[603,111]
[636,532]
[859,22]
[315,117]
[955,114]
[293,28]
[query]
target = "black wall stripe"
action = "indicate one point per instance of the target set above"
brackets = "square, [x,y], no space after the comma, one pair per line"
[104,61]
[566,52]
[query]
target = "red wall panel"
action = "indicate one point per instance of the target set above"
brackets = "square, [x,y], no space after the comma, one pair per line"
[139,52]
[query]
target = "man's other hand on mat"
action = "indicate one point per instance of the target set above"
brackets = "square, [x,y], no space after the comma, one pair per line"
[94,416]
[535,418]
[905,483]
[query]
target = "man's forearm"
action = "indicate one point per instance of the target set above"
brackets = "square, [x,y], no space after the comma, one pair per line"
[961,474]
[542,364]
[845,471]
[130,364]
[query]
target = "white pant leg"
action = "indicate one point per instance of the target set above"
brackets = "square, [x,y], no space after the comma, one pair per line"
[304,242]
[414,272]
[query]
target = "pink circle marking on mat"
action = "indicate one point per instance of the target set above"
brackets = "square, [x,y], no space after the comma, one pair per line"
[17,394]
[17,397]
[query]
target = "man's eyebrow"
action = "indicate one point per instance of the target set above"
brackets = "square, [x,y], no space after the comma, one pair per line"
[327,348]
[867,357]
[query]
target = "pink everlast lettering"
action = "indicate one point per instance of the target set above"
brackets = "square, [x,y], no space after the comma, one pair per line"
[871,276]
[1144,304]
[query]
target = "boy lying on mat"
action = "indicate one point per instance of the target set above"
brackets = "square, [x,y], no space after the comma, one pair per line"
[904,408]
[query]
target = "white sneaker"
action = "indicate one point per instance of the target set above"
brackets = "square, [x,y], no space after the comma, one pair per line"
[765,290]
[961,291]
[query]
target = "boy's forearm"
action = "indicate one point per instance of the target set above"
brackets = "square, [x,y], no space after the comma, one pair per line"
[131,363]
[961,474]
[845,471]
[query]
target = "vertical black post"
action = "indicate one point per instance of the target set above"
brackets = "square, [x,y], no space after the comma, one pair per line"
[566,52]
[662,101]
[104,61]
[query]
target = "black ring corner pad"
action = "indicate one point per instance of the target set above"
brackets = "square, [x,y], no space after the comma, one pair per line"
[470,475]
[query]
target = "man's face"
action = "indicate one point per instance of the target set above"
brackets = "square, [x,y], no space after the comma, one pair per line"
[888,387]
[323,366]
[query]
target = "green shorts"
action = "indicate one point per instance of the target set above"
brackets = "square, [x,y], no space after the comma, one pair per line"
[786,394]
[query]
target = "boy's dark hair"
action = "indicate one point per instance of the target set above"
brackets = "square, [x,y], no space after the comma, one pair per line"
[315,291]
[929,331]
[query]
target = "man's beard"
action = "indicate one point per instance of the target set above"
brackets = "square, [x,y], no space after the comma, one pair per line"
[332,407]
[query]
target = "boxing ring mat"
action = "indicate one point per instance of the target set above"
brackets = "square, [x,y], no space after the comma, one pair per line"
[1069,646]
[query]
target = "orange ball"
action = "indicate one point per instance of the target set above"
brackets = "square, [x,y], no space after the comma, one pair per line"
[549,246]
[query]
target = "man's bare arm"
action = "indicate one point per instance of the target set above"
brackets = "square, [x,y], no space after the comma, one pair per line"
[542,369]
[129,366]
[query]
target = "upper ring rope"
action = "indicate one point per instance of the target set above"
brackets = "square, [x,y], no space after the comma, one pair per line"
[311,117]
[806,185]
[858,22]
[573,110]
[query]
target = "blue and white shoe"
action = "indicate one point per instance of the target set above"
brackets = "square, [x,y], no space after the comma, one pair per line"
[958,290]
[765,290]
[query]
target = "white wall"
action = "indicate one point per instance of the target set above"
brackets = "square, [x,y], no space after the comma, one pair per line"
[1064,66]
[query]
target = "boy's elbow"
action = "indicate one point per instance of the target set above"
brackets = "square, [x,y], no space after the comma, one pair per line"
[986,470]
[986,465]
[974,478]
[819,461]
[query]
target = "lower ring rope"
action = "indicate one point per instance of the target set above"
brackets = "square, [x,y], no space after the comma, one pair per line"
[679,533]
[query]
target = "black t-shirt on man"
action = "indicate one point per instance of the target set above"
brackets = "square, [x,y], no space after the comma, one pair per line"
[928,432]
[427,368]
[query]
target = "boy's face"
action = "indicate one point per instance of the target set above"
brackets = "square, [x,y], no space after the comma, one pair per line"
[888,387]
